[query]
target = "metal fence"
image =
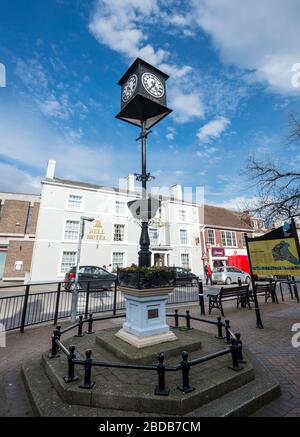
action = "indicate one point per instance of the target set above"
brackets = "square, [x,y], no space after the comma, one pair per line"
[39,303]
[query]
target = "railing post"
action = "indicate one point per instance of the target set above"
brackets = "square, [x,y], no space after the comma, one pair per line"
[90,324]
[185,366]
[227,328]
[220,328]
[188,319]
[24,311]
[87,384]
[115,298]
[161,389]
[176,319]
[80,326]
[71,366]
[239,344]
[234,355]
[239,282]
[55,348]
[57,303]
[295,289]
[87,300]
[201,297]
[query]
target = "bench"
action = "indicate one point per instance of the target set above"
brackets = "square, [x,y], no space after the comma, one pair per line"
[240,294]
[267,290]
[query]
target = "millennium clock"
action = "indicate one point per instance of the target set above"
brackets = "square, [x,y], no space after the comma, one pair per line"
[129,88]
[152,85]
[143,94]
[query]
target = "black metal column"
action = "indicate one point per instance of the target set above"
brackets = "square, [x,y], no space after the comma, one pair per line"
[144,252]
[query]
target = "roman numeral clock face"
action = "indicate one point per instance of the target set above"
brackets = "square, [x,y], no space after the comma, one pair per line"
[152,85]
[129,88]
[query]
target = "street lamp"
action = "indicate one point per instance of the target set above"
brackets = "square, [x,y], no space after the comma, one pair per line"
[75,286]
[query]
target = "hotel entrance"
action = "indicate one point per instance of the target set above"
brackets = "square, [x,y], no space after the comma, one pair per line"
[161,259]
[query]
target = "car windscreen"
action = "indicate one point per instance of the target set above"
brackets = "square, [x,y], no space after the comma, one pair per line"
[218,269]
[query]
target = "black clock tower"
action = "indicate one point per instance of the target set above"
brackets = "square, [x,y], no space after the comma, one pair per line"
[143,103]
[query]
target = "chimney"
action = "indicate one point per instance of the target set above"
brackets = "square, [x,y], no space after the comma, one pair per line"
[176,192]
[50,169]
[130,182]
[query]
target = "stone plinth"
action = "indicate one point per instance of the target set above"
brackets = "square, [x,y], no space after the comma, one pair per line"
[145,322]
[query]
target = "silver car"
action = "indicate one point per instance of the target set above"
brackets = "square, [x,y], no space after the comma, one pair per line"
[229,275]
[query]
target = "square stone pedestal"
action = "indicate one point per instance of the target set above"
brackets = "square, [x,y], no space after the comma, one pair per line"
[145,322]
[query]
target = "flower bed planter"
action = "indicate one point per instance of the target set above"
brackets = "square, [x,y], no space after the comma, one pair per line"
[143,280]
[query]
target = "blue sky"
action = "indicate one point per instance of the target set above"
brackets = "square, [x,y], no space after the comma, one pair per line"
[231,90]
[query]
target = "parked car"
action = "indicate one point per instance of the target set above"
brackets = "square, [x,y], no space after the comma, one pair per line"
[230,275]
[184,277]
[97,277]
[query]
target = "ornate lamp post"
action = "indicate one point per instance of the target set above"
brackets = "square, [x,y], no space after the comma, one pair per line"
[143,103]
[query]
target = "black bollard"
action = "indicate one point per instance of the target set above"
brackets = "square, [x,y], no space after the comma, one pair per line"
[234,355]
[87,384]
[220,328]
[55,348]
[188,319]
[239,344]
[80,326]
[176,319]
[227,328]
[201,297]
[90,325]
[239,282]
[185,367]
[71,366]
[161,389]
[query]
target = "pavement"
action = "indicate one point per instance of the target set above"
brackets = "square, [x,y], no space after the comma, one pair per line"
[271,345]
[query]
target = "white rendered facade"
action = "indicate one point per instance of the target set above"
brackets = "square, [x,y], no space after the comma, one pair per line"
[113,238]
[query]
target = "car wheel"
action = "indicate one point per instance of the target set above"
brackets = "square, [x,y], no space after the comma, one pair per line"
[247,280]
[227,281]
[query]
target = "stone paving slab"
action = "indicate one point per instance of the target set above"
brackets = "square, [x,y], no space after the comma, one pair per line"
[188,340]
[133,390]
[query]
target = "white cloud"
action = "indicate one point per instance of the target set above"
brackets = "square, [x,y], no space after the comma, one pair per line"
[118,25]
[186,105]
[261,36]
[213,129]
[16,180]
[239,203]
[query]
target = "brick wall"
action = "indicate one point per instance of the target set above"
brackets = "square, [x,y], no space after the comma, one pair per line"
[18,250]
[35,212]
[14,211]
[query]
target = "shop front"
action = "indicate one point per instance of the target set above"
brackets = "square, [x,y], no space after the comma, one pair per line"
[218,257]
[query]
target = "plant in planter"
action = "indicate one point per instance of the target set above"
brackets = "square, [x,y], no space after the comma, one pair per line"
[146,277]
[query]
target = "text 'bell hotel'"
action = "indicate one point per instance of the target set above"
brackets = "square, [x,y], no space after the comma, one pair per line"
[39,234]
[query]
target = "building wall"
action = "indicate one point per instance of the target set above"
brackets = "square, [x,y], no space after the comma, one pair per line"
[50,242]
[14,217]
[16,229]
[19,251]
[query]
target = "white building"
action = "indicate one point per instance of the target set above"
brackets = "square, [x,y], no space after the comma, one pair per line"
[113,237]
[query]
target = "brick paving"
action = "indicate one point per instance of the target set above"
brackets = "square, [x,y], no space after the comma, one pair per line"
[272,346]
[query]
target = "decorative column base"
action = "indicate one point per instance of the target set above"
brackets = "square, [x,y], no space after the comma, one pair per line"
[145,323]
[140,342]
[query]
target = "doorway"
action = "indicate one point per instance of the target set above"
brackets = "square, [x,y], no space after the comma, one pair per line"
[159,259]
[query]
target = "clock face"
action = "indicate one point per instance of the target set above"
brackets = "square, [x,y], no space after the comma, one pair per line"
[152,85]
[129,88]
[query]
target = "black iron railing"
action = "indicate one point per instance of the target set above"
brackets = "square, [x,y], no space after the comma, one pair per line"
[51,302]
[234,348]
